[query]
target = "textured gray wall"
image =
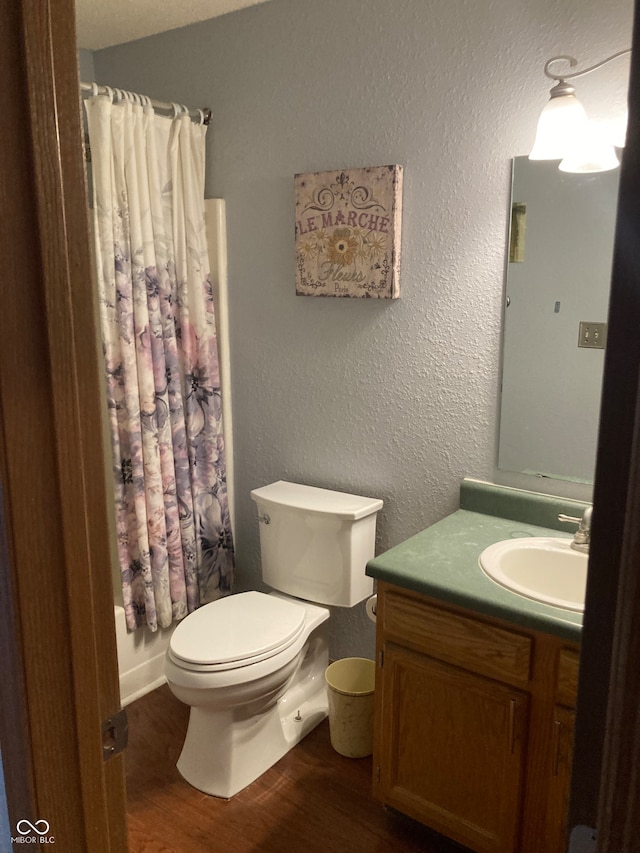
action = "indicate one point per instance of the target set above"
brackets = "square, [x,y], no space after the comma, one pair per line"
[397,400]
[86,68]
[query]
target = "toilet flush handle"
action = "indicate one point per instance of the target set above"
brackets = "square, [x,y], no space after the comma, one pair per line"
[265,519]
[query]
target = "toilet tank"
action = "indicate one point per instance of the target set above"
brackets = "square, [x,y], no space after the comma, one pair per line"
[315,543]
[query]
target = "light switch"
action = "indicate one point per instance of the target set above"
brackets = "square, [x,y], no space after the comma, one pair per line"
[592,335]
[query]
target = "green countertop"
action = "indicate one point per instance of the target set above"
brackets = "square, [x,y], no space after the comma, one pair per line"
[442,561]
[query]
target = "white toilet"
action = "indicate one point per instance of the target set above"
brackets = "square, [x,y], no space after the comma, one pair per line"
[251,665]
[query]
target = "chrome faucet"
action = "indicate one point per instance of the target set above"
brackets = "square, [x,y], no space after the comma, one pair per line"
[582,536]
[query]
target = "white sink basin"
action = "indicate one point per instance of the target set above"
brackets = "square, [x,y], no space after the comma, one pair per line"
[545,569]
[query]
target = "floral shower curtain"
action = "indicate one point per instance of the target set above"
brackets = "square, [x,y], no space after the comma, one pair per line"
[160,348]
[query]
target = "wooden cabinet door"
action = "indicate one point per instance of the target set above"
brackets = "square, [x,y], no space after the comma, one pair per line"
[560,781]
[452,750]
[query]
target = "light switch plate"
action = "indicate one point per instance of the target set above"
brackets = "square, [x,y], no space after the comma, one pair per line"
[592,335]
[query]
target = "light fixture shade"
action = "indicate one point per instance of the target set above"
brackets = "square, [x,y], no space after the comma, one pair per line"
[620,136]
[591,157]
[562,125]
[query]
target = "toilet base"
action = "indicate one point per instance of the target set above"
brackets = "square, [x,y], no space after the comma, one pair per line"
[227,749]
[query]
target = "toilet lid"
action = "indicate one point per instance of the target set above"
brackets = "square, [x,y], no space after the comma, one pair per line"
[237,630]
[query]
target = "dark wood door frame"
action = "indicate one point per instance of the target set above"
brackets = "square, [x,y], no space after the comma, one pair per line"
[606,780]
[56,606]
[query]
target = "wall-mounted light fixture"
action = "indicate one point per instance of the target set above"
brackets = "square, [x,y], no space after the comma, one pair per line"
[564,132]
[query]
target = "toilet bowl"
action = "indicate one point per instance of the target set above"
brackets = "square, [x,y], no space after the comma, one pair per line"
[251,666]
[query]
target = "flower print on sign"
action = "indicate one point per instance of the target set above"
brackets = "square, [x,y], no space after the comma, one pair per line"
[342,247]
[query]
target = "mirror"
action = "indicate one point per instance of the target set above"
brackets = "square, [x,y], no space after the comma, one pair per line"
[558,276]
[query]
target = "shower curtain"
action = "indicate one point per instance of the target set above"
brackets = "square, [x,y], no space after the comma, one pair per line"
[163,387]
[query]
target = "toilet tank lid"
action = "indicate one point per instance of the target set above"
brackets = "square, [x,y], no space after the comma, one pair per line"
[313,499]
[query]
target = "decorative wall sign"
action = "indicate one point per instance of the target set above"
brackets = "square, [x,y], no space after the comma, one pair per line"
[348,232]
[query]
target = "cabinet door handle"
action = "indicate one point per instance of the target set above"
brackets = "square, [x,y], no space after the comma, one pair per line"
[512,724]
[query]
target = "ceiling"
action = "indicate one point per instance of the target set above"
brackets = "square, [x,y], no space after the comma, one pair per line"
[101,24]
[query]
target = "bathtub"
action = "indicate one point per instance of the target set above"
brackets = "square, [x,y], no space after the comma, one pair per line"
[140,658]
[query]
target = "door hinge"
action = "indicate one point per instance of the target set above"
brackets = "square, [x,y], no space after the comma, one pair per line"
[381,658]
[377,773]
[115,734]
[583,840]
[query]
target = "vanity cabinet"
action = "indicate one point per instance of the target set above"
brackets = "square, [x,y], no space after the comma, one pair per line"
[474,724]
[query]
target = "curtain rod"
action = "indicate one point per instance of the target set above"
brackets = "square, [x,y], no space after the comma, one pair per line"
[202,116]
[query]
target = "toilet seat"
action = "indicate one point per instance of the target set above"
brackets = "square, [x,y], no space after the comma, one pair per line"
[236,631]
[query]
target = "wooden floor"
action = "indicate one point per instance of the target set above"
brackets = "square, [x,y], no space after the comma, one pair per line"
[312,801]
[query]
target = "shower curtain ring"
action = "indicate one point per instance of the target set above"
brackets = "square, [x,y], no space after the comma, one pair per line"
[94,89]
[201,114]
